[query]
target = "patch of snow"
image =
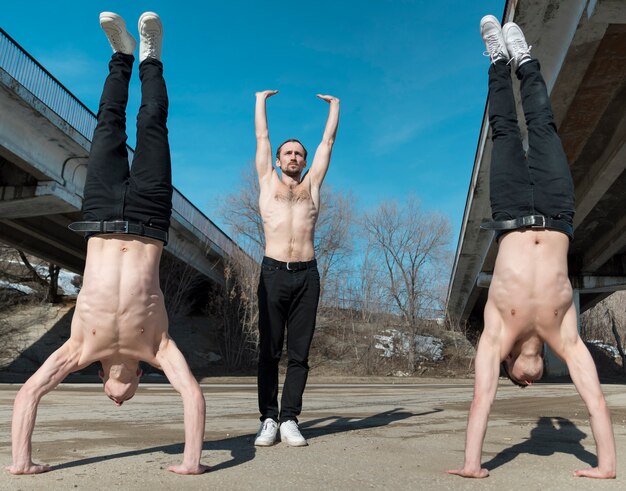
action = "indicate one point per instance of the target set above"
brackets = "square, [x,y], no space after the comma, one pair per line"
[17,286]
[606,347]
[392,341]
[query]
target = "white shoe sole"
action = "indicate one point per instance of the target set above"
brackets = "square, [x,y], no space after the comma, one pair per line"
[115,28]
[297,444]
[302,443]
[263,443]
[150,17]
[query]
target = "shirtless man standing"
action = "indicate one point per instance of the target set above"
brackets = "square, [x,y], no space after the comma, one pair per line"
[120,316]
[289,285]
[530,297]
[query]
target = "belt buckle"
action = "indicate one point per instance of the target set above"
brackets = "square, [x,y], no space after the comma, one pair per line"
[123,224]
[288,266]
[543,222]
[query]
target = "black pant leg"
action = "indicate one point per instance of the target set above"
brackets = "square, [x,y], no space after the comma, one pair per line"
[107,168]
[150,194]
[510,186]
[300,329]
[553,187]
[273,297]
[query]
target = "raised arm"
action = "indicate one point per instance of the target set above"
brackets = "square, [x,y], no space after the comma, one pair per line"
[488,357]
[173,364]
[583,372]
[319,167]
[62,362]
[264,156]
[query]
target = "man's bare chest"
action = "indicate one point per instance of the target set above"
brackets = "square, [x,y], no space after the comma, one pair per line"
[291,195]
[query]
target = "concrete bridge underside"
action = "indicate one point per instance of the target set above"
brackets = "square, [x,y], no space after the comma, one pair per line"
[43,165]
[581,45]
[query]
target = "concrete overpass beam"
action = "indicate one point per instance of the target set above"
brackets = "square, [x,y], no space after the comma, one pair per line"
[606,247]
[37,241]
[30,201]
[599,284]
[601,176]
[606,11]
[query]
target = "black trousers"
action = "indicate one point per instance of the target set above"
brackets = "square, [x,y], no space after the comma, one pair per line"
[287,299]
[538,182]
[143,193]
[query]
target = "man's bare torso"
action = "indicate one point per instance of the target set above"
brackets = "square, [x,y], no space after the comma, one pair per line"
[289,215]
[120,309]
[530,290]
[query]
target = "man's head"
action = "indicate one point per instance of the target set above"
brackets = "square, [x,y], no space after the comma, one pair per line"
[525,367]
[120,380]
[291,158]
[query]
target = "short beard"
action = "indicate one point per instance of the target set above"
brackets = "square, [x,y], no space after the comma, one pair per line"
[293,175]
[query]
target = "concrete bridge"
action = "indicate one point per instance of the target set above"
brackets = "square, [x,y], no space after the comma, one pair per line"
[45,137]
[581,45]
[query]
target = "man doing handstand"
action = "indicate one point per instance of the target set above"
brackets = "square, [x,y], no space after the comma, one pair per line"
[530,298]
[120,317]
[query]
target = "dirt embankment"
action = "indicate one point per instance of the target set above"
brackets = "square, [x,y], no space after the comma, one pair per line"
[341,347]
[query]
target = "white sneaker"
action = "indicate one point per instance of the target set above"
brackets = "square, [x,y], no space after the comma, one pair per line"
[516,44]
[150,36]
[266,436]
[491,32]
[290,434]
[115,28]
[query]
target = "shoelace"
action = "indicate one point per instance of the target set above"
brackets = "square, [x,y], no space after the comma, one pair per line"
[494,48]
[150,41]
[290,426]
[521,50]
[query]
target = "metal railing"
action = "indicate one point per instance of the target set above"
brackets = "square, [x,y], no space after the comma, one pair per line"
[20,65]
[29,73]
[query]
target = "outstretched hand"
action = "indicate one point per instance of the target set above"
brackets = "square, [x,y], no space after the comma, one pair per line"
[266,93]
[595,473]
[30,468]
[476,474]
[328,98]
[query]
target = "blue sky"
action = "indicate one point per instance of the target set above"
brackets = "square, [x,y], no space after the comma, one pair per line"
[410,75]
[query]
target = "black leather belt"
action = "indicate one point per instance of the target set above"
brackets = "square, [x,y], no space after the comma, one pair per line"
[530,221]
[289,266]
[120,227]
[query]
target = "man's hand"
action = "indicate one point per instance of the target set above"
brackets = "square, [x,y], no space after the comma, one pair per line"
[266,94]
[173,364]
[188,470]
[328,98]
[474,473]
[30,468]
[62,362]
[595,473]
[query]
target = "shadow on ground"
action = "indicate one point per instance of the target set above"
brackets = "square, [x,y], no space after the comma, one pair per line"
[551,435]
[242,449]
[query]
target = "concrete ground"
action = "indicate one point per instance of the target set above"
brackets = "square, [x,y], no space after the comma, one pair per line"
[361,435]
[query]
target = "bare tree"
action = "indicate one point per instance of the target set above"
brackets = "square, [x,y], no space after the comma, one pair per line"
[333,241]
[369,286]
[239,311]
[17,268]
[177,280]
[411,246]
[240,211]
